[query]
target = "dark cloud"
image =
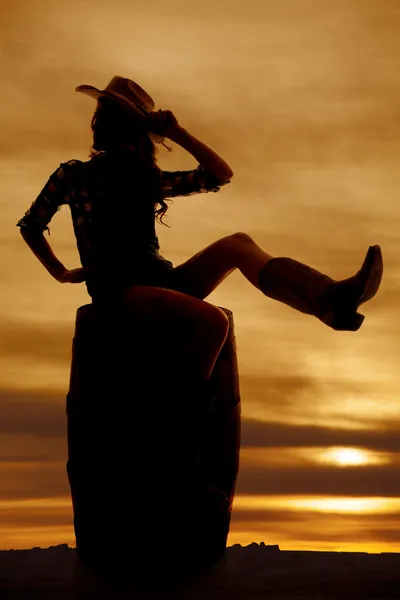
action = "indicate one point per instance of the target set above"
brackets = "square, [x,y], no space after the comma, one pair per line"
[43,414]
[388,535]
[269,515]
[44,417]
[47,516]
[42,342]
[34,413]
[277,390]
[267,525]
[304,517]
[319,480]
[384,436]
[24,481]
[349,534]
[296,394]
[33,447]
[287,528]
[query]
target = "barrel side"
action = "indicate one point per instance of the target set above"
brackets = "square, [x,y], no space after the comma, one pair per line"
[124,492]
[220,443]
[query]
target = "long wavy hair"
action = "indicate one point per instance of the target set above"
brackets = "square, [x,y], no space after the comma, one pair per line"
[114,127]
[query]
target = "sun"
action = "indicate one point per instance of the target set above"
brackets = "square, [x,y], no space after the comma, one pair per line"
[347,456]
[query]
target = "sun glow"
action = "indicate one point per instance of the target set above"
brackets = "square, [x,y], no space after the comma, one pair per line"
[340,504]
[348,456]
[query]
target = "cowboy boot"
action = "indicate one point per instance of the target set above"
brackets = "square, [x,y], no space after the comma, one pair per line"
[335,303]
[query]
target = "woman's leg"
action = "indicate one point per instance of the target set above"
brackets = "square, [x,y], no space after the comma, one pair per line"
[199,329]
[204,271]
[335,303]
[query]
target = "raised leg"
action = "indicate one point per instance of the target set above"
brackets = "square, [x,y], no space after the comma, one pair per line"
[204,271]
[335,303]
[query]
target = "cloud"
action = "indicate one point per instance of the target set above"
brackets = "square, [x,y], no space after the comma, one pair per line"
[297,518]
[42,413]
[38,423]
[383,436]
[27,480]
[322,531]
[330,398]
[35,413]
[278,390]
[325,481]
[41,342]
[45,516]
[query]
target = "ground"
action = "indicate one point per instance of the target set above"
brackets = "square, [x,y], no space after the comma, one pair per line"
[252,572]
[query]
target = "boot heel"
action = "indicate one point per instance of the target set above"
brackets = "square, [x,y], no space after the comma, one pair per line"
[351,322]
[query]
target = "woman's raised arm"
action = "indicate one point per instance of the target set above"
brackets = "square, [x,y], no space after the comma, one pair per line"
[165,122]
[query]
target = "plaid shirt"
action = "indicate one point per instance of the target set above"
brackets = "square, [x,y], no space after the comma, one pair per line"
[129,222]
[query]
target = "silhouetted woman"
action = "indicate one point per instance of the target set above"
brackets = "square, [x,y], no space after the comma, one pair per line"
[115,198]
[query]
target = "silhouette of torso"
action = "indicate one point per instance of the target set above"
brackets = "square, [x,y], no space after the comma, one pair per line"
[113,214]
[112,200]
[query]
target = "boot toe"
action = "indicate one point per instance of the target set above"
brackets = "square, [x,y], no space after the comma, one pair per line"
[351,322]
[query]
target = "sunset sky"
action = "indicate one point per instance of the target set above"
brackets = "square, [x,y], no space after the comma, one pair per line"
[302,99]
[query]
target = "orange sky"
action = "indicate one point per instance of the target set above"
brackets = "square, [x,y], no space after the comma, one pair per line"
[301,97]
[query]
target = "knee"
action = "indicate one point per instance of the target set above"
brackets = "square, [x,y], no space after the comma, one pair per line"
[221,320]
[240,237]
[214,322]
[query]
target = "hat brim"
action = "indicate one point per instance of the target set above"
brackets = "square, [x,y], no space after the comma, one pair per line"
[95,93]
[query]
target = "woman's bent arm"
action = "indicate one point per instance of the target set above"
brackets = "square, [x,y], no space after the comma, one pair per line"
[42,250]
[202,153]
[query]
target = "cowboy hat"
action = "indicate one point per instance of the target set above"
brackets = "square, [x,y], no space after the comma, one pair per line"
[129,95]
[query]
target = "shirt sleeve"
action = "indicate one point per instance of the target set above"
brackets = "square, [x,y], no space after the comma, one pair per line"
[54,194]
[186,183]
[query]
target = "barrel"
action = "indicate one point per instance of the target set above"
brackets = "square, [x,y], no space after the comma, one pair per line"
[152,464]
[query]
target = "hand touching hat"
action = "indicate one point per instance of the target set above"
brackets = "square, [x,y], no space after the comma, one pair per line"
[129,95]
